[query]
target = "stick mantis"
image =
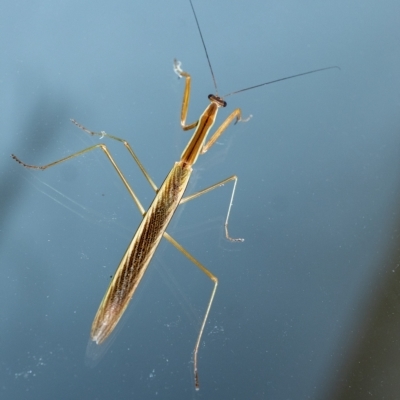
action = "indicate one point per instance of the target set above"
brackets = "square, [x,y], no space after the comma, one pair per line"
[168,197]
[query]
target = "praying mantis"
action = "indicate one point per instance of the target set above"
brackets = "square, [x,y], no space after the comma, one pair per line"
[168,197]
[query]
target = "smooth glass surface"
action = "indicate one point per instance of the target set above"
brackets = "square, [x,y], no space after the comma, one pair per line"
[308,306]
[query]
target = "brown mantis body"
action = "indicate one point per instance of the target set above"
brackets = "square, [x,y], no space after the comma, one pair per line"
[155,221]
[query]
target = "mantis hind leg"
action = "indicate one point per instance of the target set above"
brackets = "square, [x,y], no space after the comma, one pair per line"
[109,157]
[214,279]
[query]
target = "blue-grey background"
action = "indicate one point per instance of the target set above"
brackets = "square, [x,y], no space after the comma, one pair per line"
[307,306]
